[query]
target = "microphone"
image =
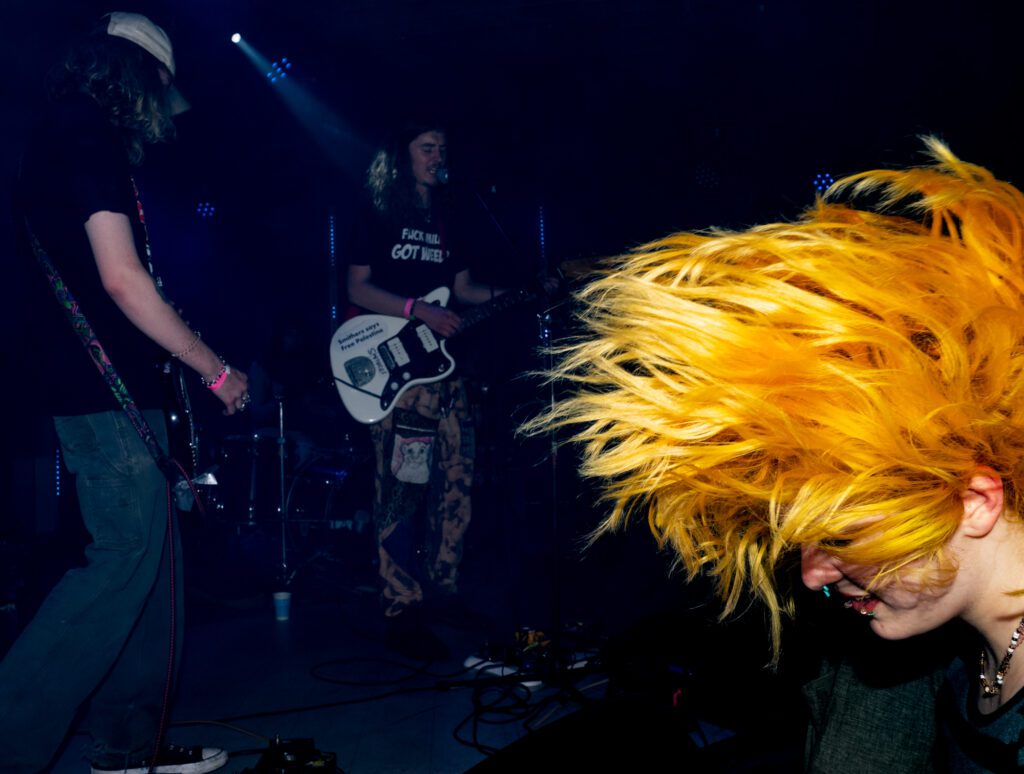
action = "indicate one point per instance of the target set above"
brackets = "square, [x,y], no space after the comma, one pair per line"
[441,173]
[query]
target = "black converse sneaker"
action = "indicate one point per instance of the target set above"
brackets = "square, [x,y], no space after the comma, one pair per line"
[172,759]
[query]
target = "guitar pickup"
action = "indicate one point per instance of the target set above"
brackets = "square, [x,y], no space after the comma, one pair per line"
[427,338]
[398,352]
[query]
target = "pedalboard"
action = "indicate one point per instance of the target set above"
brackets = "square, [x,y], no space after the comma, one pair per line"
[295,756]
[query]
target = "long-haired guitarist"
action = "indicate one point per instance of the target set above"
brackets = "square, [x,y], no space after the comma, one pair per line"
[103,634]
[401,251]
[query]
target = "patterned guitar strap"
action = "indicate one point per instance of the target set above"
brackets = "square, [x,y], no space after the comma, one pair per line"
[73,311]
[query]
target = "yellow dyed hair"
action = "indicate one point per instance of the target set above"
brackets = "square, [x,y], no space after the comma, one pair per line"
[837,380]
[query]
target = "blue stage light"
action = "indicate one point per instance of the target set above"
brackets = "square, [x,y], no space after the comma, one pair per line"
[823,181]
[278,70]
[236,38]
[540,229]
[205,210]
[706,176]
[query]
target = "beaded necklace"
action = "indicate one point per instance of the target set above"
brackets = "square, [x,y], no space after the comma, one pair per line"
[994,687]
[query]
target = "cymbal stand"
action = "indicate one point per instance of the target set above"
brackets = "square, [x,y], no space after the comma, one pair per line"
[254,453]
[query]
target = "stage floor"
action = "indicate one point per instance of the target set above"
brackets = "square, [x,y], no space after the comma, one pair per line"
[655,650]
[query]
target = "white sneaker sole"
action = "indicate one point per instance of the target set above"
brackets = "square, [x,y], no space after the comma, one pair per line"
[498,669]
[212,760]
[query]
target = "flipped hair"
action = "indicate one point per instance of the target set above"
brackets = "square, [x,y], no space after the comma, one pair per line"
[837,380]
[125,80]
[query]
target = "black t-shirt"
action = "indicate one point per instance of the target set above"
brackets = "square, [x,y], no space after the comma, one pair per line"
[76,165]
[409,256]
[970,742]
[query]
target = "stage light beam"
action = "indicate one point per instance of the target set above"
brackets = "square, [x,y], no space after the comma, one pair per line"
[329,131]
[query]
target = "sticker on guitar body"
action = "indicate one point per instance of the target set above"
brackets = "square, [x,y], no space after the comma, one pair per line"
[375,357]
[365,333]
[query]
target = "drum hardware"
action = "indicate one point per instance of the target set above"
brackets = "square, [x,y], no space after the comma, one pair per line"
[305,496]
[244,473]
[317,481]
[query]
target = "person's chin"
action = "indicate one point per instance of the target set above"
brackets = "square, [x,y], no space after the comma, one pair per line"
[887,631]
[890,627]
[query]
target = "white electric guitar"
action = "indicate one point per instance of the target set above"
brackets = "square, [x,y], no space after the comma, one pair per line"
[376,357]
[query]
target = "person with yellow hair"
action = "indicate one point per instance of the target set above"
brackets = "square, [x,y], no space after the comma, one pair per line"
[848,391]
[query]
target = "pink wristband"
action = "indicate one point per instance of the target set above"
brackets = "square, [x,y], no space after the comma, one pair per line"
[409,304]
[217,383]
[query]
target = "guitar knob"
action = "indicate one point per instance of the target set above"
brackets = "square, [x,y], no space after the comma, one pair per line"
[406,375]
[394,385]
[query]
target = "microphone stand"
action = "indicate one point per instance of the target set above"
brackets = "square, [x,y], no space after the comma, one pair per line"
[561,667]
[283,504]
[561,663]
[544,321]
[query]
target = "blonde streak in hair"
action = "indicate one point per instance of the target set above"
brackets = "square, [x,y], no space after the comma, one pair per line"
[886,534]
[992,230]
[378,179]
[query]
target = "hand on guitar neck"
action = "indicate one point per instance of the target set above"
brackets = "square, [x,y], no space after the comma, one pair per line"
[441,320]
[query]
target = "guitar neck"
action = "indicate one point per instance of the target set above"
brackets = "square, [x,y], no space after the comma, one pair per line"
[481,312]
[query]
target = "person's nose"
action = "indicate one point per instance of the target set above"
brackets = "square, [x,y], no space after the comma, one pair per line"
[817,568]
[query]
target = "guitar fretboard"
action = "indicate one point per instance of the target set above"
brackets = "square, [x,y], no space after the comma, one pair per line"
[480,312]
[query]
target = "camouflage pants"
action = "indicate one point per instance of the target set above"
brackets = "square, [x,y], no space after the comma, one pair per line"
[424,454]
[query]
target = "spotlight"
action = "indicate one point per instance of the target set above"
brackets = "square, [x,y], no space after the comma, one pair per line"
[205,210]
[277,70]
[706,176]
[236,38]
[823,181]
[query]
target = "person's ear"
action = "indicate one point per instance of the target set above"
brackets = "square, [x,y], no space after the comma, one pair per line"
[983,503]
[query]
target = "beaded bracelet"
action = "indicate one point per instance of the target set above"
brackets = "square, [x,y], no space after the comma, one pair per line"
[215,384]
[409,304]
[191,345]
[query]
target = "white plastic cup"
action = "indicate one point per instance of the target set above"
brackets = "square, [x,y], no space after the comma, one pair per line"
[282,603]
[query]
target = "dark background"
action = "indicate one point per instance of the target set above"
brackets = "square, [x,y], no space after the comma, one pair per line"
[621,120]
